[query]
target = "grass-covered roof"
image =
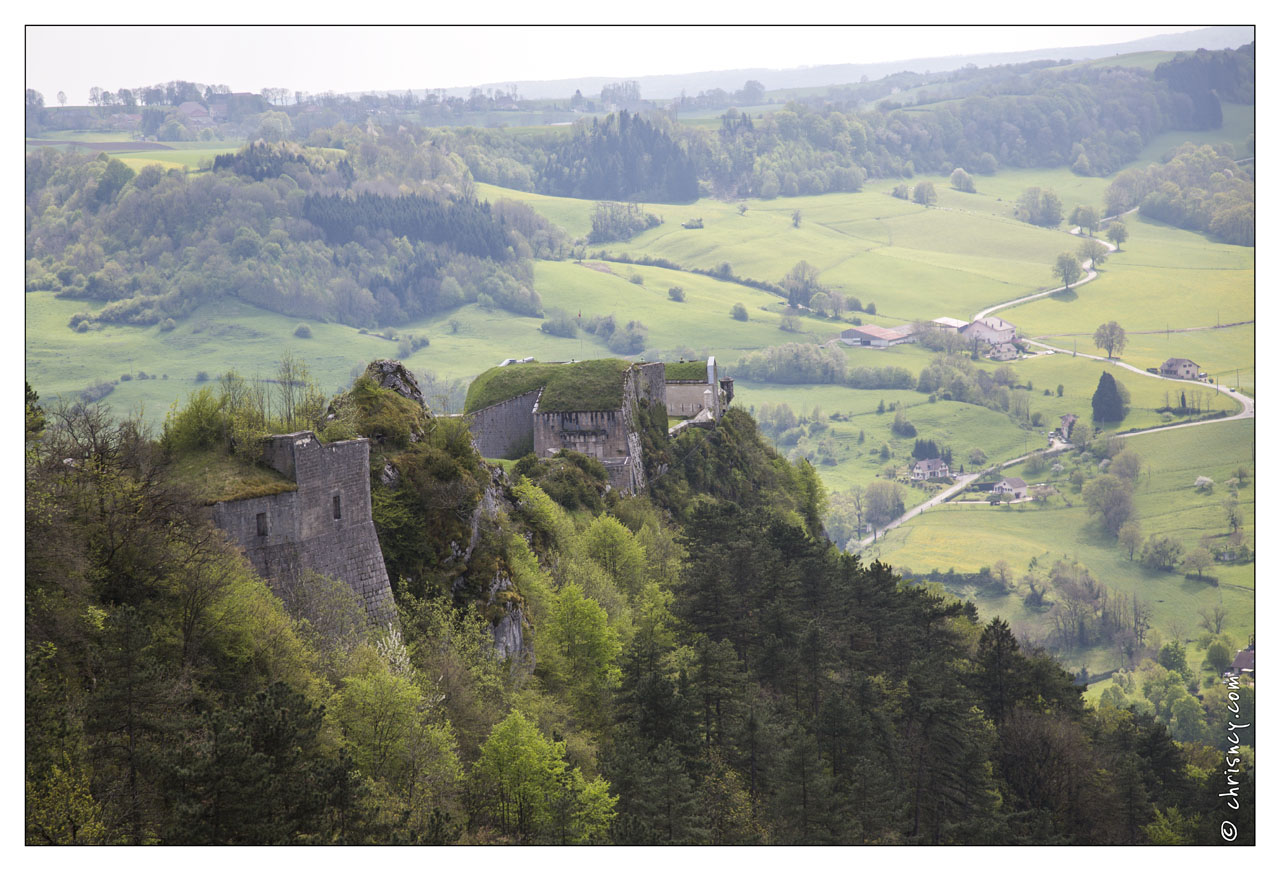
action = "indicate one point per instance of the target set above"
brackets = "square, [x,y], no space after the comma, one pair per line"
[212,475]
[694,370]
[592,385]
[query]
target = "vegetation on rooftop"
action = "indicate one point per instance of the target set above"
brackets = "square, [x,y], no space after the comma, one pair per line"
[591,385]
[693,370]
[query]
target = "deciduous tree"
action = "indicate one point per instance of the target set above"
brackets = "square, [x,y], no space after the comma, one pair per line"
[1067,268]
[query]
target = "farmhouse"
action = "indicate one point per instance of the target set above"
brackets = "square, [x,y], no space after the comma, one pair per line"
[1180,367]
[872,336]
[992,330]
[1243,663]
[1014,486]
[1004,351]
[923,470]
[952,325]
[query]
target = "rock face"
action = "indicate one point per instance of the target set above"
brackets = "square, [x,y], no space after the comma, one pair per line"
[393,375]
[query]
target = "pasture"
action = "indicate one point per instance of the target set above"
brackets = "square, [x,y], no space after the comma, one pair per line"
[217,337]
[968,537]
[1162,277]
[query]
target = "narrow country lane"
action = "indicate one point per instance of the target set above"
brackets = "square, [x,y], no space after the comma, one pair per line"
[1246,402]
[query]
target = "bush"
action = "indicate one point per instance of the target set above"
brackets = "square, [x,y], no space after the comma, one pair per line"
[97,391]
[167,324]
[790,324]
[559,323]
[738,312]
[629,339]
[202,376]
[126,377]
[871,308]
[903,427]
[676,293]
[302,331]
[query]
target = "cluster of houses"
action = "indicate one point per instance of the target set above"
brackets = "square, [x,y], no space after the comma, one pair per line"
[929,470]
[997,334]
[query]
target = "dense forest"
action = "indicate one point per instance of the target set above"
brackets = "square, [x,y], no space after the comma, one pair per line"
[699,664]
[1200,189]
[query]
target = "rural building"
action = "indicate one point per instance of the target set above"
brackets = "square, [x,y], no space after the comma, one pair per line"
[1014,486]
[872,336]
[952,325]
[1004,351]
[1180,367]
[324,524]
[923,470]
[992,330]
[192,109]
[1243,663]
[1068,423]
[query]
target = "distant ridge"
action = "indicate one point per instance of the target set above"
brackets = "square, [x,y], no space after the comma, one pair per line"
[670,86]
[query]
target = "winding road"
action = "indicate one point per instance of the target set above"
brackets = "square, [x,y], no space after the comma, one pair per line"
[1246,402]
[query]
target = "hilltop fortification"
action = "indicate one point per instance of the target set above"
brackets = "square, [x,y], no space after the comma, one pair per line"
[325,525]
[589,407]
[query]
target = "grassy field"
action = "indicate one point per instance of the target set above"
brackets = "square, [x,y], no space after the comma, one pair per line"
[1162,277]
[217,337]
[1167,503]
[962,427]
[187,155]
[959,425]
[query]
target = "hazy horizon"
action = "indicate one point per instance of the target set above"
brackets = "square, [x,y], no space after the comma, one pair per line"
[314,59]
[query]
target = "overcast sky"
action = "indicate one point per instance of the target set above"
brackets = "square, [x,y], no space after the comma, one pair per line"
[314,59]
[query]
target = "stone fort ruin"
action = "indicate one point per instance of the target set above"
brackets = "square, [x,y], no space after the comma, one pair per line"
[521,424]
[325,525]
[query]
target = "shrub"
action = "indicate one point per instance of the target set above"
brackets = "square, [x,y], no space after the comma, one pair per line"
[790,324]
[96,391]
[559,323]
[903,427]
[629,339]
[676,293]
[738,312]
[199,425]
[302,331]
[202,376]
[167,324]
[871,308]
[126,377]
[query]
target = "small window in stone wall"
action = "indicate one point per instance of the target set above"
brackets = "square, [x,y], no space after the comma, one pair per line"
[337,506]
[263,525]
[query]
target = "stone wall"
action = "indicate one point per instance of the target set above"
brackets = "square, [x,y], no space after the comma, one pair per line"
[650,381]
[326,525]
[599,434]
[501,431]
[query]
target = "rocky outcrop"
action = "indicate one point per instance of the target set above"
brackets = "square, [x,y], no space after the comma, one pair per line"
[393,375]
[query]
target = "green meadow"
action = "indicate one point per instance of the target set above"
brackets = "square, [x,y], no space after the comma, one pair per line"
[960,426]
[968,537]
[1161,278]
[217,337]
